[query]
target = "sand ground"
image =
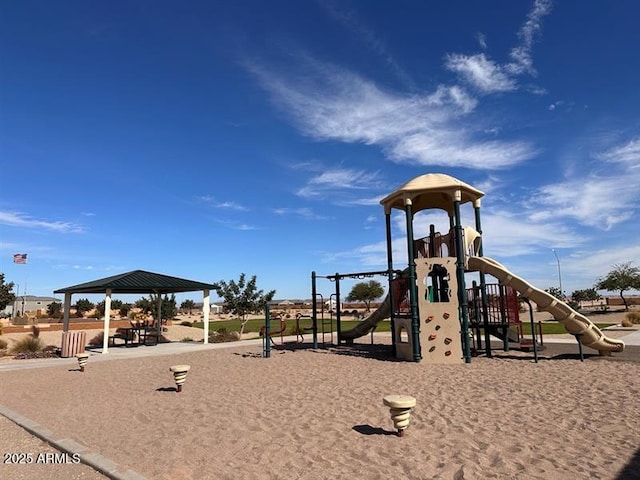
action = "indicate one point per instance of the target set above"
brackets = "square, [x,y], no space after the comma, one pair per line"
[316,414]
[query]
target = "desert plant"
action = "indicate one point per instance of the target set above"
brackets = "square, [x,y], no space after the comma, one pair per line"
[187,339]
[222,335]
[633,317]
[3,344]
[35,331]
[28,344]
[626,322]
[98,340]
[186,323]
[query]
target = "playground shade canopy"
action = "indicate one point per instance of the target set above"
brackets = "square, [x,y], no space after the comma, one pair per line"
[432,190]
[138,281]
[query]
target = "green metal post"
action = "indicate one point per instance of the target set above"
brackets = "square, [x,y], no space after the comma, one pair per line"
[338,309]
[462,291]
[314,311]
[483,286]
[413,294]
[266,344]
[390,275]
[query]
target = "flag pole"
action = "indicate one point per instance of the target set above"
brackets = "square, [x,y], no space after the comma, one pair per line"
[24,292]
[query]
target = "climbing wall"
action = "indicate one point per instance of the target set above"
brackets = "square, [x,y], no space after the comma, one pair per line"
[438,310]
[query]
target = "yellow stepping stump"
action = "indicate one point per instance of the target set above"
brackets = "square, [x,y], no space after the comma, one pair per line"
[83,358]
[180,375]
[400,408]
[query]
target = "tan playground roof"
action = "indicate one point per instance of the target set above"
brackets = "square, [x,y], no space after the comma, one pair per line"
[432,190]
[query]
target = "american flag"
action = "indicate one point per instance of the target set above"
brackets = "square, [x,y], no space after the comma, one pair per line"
[20,258]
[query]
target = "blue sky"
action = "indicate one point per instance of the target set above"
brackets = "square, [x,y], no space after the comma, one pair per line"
[206,139]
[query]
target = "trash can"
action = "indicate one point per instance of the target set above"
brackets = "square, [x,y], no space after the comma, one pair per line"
[72,343]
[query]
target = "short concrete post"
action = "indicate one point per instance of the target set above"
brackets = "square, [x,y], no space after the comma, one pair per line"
[400,408]
[82,360]
[180,375]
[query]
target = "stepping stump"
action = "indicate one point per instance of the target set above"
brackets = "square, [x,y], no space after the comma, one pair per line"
[400,408]
[180,375]
[82,360]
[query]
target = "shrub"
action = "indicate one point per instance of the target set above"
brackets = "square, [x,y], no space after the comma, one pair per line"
[186,323]
[222,336]
[633,317]
[187,339]
[97,340]
[28,344]
[3,344]
[626,322]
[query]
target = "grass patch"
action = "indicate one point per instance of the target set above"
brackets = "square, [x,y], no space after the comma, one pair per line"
[254,325]
[555,328]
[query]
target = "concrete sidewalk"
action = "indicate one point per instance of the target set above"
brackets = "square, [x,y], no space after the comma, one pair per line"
[119,353]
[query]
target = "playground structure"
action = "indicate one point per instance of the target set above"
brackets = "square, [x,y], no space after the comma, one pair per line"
[433,315]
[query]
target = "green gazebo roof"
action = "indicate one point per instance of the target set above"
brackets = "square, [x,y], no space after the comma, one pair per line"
[138,281]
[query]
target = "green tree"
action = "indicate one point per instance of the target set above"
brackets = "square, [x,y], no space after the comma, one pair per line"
[115,305]
[242,298]
[366,292]
[168,308]
[6,293]
[54,310]
[188,305]
[124,309]
[555,292]
[621,278]
[586,295]
[83,305]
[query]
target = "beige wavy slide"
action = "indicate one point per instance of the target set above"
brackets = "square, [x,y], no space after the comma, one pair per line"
[575,323]
[369,323]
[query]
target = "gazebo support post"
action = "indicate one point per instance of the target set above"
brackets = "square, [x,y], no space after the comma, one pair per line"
[67,307]
[206,307]
[107,315]
[159,314]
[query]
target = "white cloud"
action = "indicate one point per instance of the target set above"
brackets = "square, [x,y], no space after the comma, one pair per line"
[306,213]
[329,103]
[629,153]
[606,194]
[521,55]
[333,180]
[482,40]
[228,205]
[481,72]
[17,219]
[488,76]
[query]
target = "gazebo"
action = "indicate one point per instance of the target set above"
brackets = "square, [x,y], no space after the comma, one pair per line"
[137,281]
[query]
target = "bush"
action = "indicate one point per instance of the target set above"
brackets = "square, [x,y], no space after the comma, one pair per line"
[633,317]
[186,323]
[222,336]
[97,340]
[3,344]
[626,322]
[187,340]
[28,344]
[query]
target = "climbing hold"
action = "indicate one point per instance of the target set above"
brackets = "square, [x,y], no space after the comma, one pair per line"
[432,349]
[428,319]
[447,353]
[432,337]
[445,315]
[447,341]
[437,327]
